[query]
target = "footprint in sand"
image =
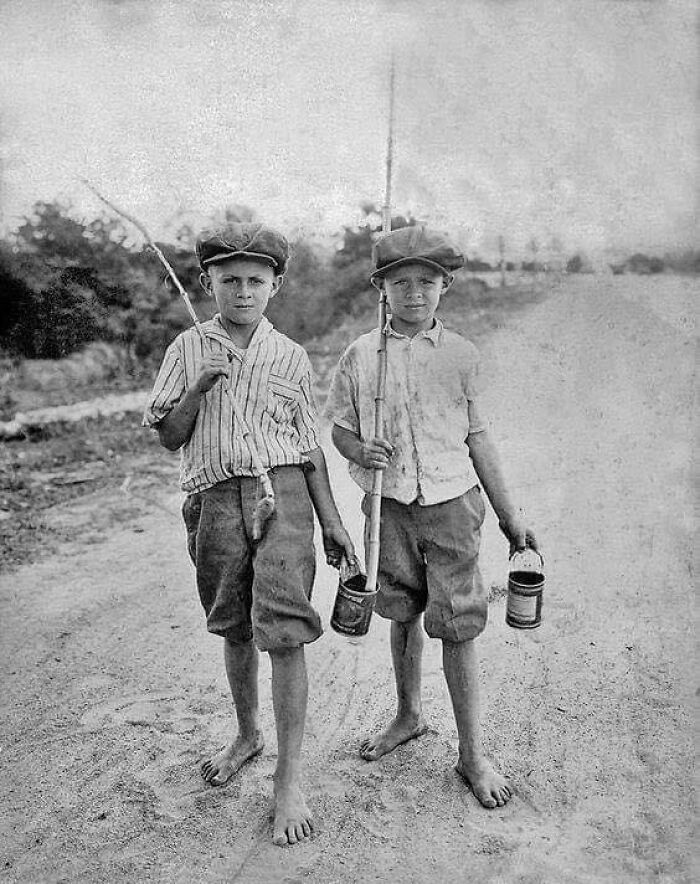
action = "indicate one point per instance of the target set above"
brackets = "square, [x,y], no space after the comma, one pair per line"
[175,787]
[172,779]
[162,712]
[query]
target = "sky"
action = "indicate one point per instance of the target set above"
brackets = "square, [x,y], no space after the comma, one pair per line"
[564,121]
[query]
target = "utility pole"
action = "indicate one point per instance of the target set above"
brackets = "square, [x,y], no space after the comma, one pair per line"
[502,262]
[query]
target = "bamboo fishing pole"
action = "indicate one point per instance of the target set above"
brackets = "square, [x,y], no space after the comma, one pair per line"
[266,505]
[376,493]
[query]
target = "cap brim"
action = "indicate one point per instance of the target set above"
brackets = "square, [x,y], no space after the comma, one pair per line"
[382,271]
[254,256]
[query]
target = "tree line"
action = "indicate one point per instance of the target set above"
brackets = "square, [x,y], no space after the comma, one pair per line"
[66,282]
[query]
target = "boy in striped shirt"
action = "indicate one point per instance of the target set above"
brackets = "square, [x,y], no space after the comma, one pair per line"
[255,595]
[435,450]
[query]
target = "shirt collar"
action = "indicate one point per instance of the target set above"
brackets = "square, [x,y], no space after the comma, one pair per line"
[215,329]
[432,334]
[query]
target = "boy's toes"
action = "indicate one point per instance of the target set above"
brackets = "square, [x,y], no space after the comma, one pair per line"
[490,788]
[279,838]
[502,796]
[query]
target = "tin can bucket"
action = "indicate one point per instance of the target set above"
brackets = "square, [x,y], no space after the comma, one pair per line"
[525,590]
[353,606]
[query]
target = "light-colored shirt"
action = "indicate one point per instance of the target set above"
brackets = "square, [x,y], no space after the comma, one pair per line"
[430,380]
[271,380]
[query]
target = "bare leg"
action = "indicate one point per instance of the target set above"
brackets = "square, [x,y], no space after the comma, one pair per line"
[462,674]
[406,653]
[242,671]
[289,696]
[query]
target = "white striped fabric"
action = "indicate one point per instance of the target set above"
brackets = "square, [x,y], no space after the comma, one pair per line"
[271,381]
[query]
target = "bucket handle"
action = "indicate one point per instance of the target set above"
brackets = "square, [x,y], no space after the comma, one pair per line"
[528,549]
[349,568]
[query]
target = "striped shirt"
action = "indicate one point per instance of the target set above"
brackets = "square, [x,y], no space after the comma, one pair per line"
[271,380]
[430,383]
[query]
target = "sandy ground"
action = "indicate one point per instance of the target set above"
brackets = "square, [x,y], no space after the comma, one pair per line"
[113,691]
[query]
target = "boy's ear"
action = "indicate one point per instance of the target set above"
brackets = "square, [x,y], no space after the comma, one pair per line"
[447,281]
[276,284]
[205,282]
[378,283]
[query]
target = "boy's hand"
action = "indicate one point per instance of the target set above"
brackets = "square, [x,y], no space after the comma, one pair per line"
[336,544]
[214,366]
[519,535]
[375,454]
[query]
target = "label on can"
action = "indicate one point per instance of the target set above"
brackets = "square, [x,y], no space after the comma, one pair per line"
[352,611]
[524,607]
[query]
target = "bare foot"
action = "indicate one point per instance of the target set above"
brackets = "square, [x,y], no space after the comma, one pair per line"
[490,787]
[401,730]
[219,769]
[293,821]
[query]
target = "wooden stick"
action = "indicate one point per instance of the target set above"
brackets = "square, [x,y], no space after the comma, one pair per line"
[375,514]
[258,466]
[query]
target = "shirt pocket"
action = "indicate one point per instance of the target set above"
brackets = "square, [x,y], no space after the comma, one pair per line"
[282,397]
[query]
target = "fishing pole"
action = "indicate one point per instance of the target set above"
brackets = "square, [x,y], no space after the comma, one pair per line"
[266,505]
[376,493]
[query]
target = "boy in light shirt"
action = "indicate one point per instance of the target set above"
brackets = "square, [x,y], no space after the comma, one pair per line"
[434,450]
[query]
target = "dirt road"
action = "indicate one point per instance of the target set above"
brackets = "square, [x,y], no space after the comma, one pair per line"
[113,691]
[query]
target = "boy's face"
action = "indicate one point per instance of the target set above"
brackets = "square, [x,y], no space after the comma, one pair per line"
[241,288]
[413,292]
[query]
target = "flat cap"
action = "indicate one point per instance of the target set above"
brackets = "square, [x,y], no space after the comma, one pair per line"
[242,239]
[414,244]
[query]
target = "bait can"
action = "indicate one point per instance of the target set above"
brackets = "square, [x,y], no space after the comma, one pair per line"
[525,590]
[354,605]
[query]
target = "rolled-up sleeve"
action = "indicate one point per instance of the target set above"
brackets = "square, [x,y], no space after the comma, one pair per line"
[168,388]
[305,417]
[472,389]
[341,405]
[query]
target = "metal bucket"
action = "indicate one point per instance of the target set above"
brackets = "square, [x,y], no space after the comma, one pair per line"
[353,606]
[525,590]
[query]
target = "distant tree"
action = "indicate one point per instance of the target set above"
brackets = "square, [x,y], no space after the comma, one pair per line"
[351,265]
[355,244]
[683,262]
[643,264]
[235,212]
[88,283]
[17,301]
[302,307]
[476,265]
[574,264]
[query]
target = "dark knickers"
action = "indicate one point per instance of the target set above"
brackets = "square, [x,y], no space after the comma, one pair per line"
[428,562]
[260,591]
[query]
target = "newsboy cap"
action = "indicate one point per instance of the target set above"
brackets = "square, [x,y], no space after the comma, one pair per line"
[414,244]
[243,239]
